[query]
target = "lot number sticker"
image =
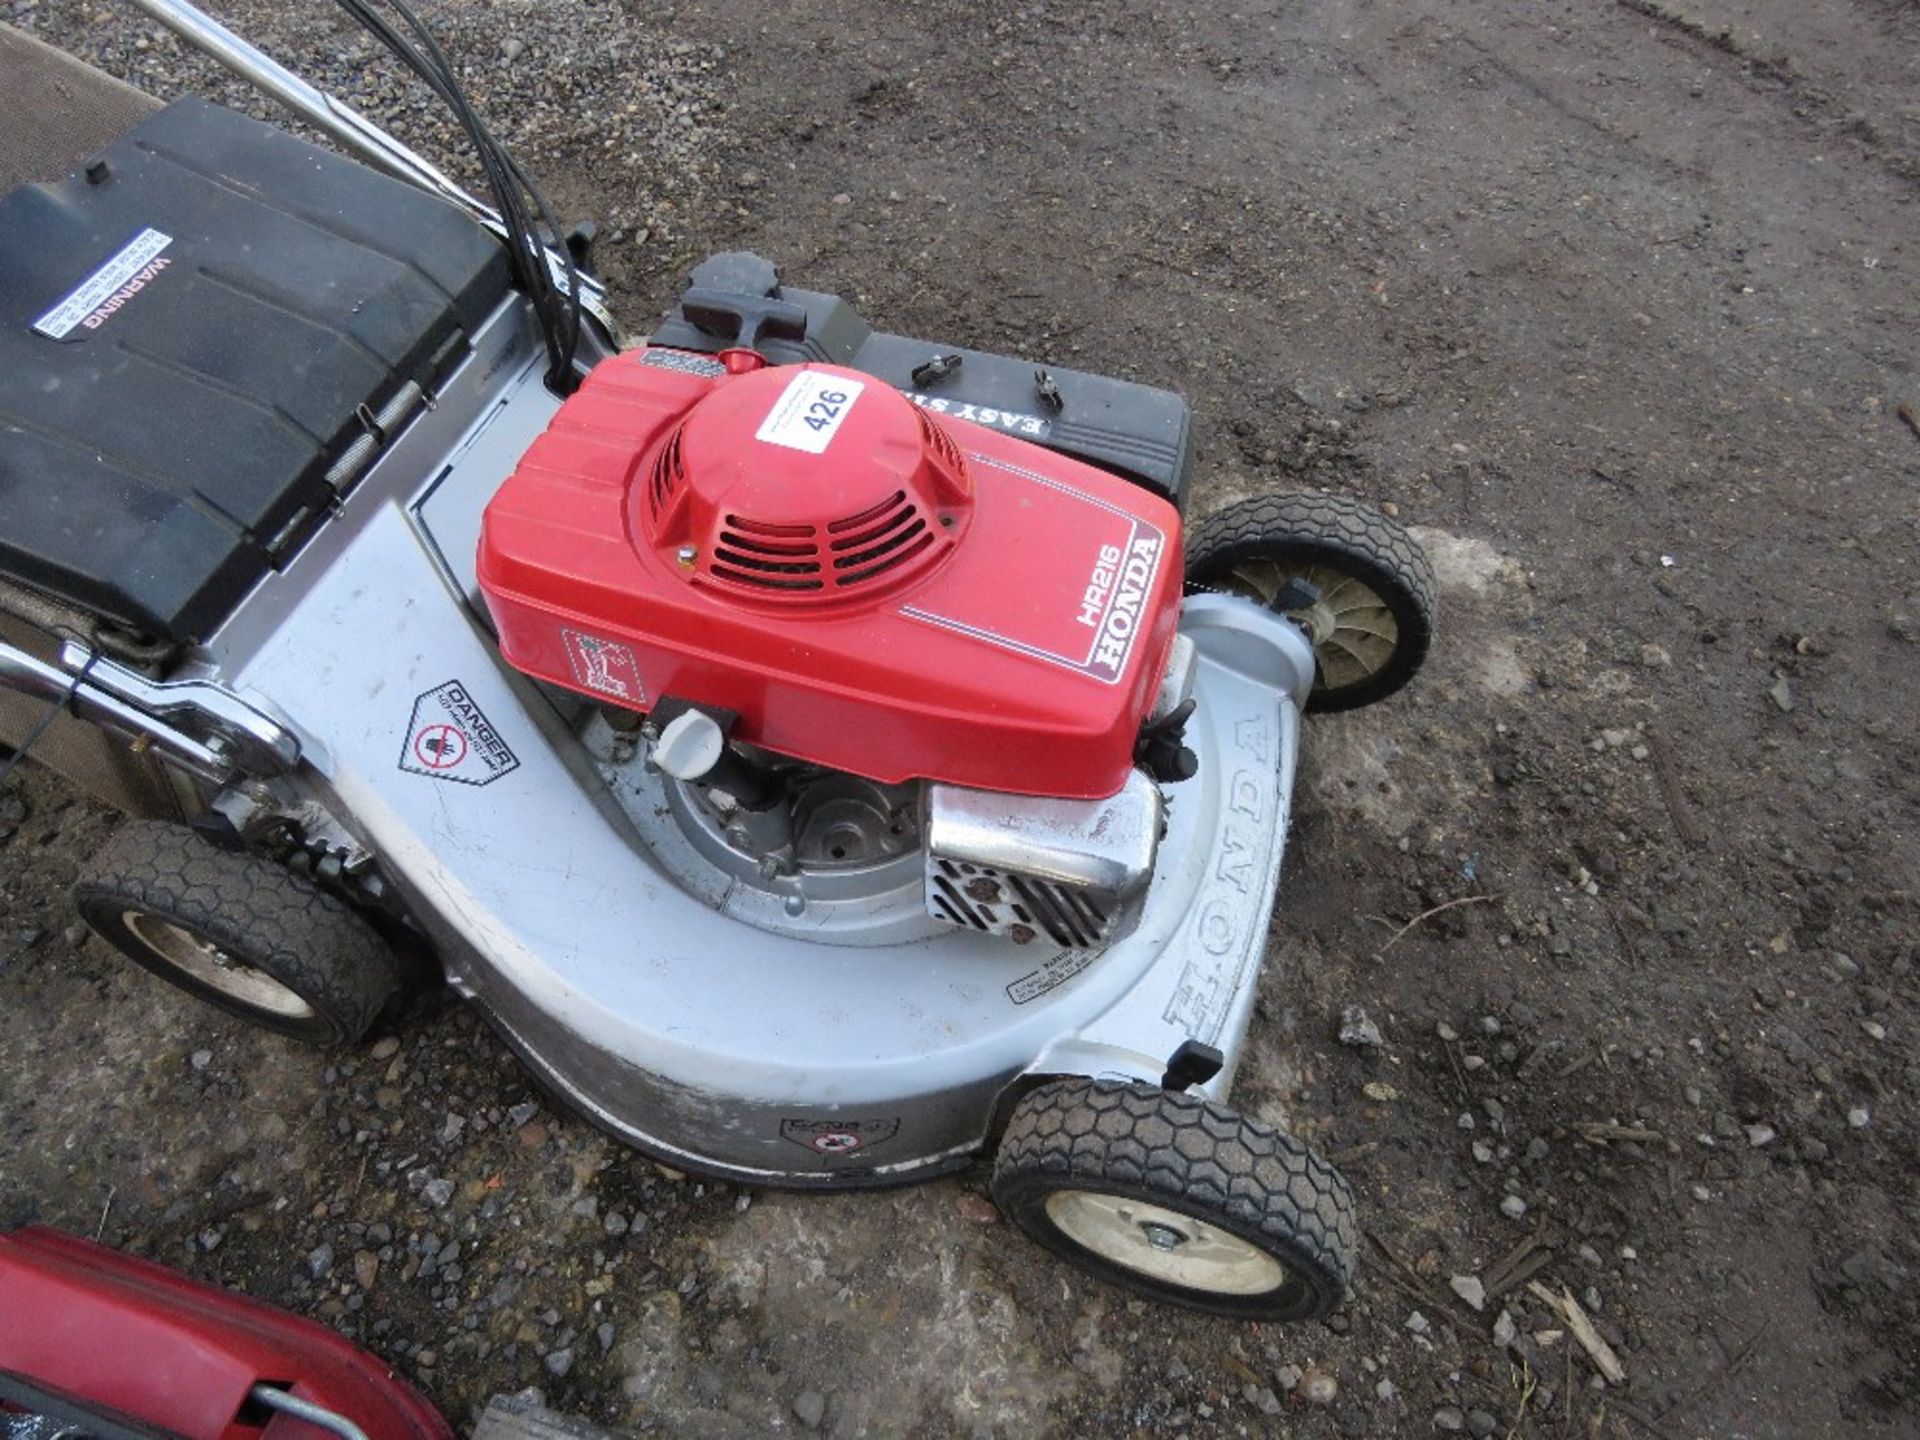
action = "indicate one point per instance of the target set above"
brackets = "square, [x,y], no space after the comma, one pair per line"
[809,411]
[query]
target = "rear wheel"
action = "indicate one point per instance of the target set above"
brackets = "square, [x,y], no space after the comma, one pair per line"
[239,932]
[1356,581]
[1178,1198]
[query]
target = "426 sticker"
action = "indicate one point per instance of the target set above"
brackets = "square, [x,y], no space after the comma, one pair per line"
[809,411]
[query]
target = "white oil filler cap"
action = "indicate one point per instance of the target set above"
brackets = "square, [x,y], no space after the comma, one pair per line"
[690,745]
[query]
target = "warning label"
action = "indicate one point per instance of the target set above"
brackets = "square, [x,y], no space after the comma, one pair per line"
[125,275]
[605,665]
[1051,975]
[837,1136]
[680,360]
[449,739]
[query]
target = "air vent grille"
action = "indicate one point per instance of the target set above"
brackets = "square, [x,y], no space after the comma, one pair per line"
[769,556]
[669,475]
[842,555]
[940,443]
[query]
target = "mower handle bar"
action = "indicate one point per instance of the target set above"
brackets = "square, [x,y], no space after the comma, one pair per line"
[348,128]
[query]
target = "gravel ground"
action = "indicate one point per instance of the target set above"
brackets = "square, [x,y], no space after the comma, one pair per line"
[1615,302]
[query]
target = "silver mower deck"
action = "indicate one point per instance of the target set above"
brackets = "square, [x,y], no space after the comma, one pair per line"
[871,1055]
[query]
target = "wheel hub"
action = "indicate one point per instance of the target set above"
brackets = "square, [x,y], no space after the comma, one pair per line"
[1162,1237]
[213,967]
[1163,1244]
[1352,627]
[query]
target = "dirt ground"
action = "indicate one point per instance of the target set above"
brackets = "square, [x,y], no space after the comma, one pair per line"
[1617,303]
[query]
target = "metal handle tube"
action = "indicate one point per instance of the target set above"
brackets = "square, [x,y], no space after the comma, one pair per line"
[26,675]
[276,1399]
[348,127]
[312,104]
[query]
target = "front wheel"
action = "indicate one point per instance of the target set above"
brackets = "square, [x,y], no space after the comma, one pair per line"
[1178,1198]
[1356,581]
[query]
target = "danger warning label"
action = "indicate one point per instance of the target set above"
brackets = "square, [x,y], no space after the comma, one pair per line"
[449,739]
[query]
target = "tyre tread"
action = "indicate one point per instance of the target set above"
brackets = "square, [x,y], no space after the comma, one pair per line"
[1345,525]
[310,940]
[1187,1148]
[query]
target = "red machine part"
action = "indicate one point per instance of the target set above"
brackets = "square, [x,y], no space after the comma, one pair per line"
[126,1335]
[871,587]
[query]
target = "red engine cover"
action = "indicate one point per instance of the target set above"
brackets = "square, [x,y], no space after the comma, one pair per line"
[872,588]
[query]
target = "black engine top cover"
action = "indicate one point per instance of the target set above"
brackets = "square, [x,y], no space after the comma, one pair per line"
[1136,431]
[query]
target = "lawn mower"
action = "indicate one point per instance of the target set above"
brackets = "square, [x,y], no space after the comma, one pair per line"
[824,756]
[96,1345]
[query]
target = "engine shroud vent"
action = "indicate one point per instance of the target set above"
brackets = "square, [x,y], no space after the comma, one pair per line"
[878,505]
[668,477]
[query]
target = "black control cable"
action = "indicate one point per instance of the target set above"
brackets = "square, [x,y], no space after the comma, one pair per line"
[45,722]
[524,212]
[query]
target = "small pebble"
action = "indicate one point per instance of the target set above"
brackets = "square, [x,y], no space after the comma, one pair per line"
[1318,1388]
[1859,1117]
[200,1059]
[1513,1207]
[1358,1029]
[385,1048]
[1449,1418]
[977,1209]
[810,1408]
